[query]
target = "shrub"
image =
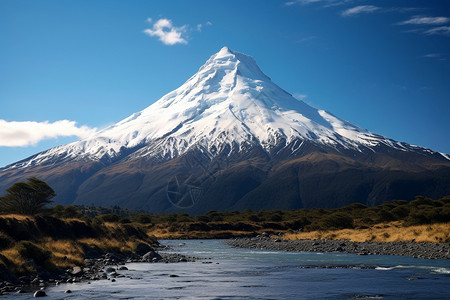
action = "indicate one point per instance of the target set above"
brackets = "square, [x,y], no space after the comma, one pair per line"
[254,218]
[337,220]
[108,218]
[276,218]
[400,212]
[125,220]
[144,218]
[68,211]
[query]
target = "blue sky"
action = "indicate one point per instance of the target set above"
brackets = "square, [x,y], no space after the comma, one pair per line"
[70,67]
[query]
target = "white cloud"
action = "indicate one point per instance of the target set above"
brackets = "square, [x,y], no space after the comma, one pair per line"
[166,32]
[299,96]
[359,10]
[19,134]
[417,20]
[432,55]
[200,26]
[307,39]
[443,30]
[303,2]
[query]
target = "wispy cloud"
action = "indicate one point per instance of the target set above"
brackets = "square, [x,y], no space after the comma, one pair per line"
[432,55]
[307,39]
[20,134]
[199,27]
[167,33]
[326,3]
[442,30]
[359,10]
[435,56]
[303,2]
[428,21]
[299,96]
[420,20]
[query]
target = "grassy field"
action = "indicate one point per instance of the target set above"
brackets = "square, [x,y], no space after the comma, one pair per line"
[385,232]
[62,242]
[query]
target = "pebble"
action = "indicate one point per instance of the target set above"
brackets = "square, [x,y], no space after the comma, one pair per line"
[414,249]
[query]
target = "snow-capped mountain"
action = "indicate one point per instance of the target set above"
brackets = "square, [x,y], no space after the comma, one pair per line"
[228,102]
[229,108]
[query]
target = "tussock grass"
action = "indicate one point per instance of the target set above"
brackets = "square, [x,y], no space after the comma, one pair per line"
[65,253]
[52,242]
[385,232]
[17,217]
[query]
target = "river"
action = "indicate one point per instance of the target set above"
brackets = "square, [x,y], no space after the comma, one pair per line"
[232,273]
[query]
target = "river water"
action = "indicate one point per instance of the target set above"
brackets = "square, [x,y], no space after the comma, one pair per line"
[231,273]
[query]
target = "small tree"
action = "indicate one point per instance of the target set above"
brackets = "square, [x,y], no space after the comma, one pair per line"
[27,198]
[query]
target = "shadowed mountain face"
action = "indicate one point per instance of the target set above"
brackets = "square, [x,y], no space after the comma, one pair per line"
[229,138]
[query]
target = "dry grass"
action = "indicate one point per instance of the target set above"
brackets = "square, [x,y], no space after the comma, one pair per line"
[387,232]
[65,253]
[17,217]
[16,263]
[162,233]
[111,244]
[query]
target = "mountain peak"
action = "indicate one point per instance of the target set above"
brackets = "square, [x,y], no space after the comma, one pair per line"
[228,104]
[229,60]
[224,51]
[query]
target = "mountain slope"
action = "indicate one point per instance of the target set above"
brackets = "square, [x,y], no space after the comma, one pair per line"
[230,135]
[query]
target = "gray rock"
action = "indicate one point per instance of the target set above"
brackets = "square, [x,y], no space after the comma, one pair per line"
[142,249]
[77,271]
[39,293]
[151,255]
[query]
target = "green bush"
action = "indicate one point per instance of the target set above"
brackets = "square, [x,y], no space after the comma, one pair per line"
[276,218]
[400,212]
[143,218]
[68,211]
[125,220]
[108,218]
[337,220]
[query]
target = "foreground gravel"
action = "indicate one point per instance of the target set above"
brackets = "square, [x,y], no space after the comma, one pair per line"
[418,250]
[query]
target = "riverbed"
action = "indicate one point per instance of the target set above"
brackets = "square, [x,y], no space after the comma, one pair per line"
[224,272]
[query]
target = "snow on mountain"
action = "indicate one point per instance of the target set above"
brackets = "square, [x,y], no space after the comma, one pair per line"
[228,101]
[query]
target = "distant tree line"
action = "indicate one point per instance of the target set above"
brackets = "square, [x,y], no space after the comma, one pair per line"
[32,197]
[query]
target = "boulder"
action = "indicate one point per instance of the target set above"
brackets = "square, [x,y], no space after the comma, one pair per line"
[142,249]
[151,256]
[39,293]
[77,271]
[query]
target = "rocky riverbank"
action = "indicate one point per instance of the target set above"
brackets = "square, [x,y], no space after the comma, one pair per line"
[107,266]
[418,250]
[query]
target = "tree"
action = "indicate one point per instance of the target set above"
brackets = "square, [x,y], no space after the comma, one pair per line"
[28,198]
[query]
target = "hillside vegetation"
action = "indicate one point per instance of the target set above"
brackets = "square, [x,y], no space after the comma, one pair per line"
[302,223]
[63,236]
[358,217]
[30,244]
